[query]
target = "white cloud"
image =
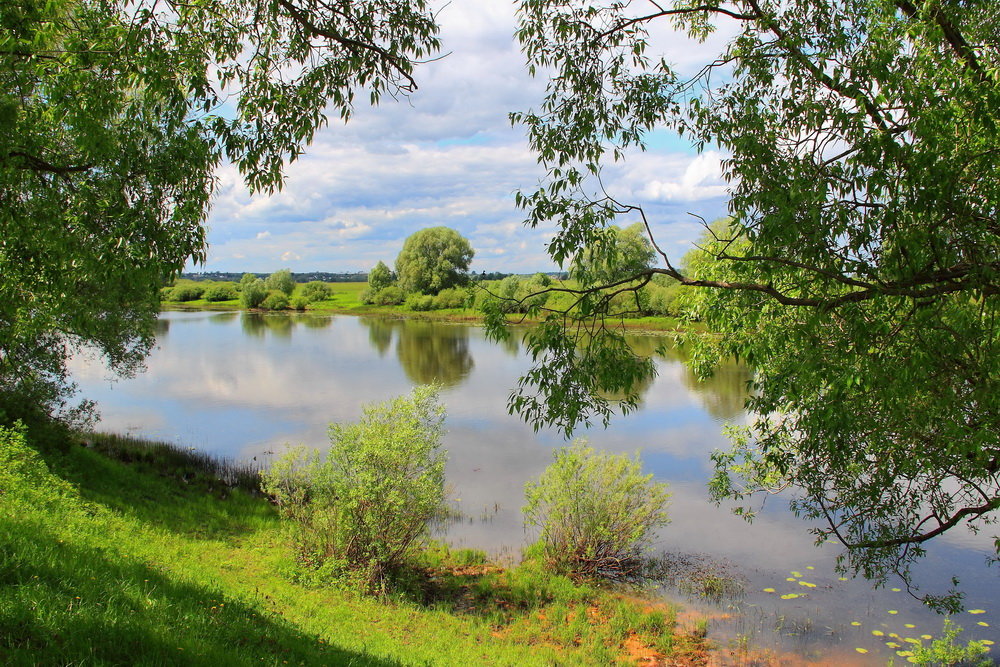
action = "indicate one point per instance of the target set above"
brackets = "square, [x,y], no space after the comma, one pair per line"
[445,156]
[699,179]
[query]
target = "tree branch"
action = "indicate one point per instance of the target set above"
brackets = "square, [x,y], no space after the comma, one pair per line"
[303,18]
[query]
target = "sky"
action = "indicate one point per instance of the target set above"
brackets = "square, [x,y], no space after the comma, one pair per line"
[447,155]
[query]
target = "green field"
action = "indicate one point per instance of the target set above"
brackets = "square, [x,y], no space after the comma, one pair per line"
[123,552]
[345,299]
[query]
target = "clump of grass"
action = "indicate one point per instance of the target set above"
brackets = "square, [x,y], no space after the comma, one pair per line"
[189,465]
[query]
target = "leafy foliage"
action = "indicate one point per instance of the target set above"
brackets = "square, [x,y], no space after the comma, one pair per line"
[379,277]
[220,293]
[945,651]
[615,255]
[252,292]
[366,504]
[275,300]
[596,512]
[858,273]
[316,290]
[280,281]
[186,292]
[115,116]
[433,259]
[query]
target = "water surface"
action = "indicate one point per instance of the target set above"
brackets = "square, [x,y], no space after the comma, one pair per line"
[245,385]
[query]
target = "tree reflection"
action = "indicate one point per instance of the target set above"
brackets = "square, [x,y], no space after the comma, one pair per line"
[724,394]
[313,321]
[257,324]
[253,324]
[430,352]
[380,332]
[224,318]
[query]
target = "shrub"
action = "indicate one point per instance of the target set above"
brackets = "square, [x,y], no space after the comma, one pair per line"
[275,300]
[252,293]
[389,296]
[597,512]
[420,302]
[299,302]
[316,290]
[452,297]
[186,292]
[366,504]
[220,293]
[280,281]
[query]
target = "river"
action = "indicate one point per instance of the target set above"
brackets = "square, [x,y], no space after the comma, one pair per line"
[243,385]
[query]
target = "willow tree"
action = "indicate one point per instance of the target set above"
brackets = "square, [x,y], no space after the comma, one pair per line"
[859,272]
[114,117]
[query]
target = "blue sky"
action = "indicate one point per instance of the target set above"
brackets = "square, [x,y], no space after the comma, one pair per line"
[448,155]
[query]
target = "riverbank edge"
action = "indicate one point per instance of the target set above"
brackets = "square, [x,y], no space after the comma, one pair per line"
[149,542]
[659,325]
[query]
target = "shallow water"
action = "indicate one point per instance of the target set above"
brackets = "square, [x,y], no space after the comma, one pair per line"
[246,385]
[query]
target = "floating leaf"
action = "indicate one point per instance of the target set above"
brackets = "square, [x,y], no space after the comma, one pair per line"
[986,642]
[904,654]
[789,596]
[855,622]
[893,611]
[861,650]
[911,640]
[896,590]
[909,625]
[842,578]
[807,584]
[796,574]
[926,637]
[878,633]
[894,635]
[977,611]
[768,590]
[983,623]
[810,567]
[893,645]
[790,579]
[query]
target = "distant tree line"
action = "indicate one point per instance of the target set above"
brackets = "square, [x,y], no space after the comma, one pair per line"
[356,277]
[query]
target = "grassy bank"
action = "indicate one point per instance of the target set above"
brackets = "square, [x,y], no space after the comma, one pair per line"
[123,552]
[345,299]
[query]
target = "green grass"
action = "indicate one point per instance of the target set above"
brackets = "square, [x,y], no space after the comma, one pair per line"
[345,299]
[146,559]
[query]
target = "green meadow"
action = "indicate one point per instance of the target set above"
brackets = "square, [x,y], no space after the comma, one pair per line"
[118,551]
[345,298]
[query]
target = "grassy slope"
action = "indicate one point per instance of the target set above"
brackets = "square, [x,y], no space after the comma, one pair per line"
[345,299]
[103,562]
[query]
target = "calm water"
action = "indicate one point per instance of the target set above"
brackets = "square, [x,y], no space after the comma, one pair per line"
[242,385]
